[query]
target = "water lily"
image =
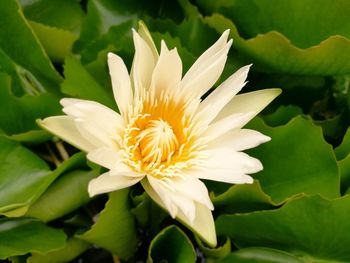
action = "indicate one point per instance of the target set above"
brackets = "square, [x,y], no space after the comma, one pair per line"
[166,136]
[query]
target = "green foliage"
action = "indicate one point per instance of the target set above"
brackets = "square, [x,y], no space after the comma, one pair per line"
[297,209]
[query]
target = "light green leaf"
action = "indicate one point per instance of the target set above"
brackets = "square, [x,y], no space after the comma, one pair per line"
[344,148]
[67,193]
[261,255]
[79,83]
[62,14]
[19,43]
[310,227]
[73,248]
[23,235]
[296,160]
[57,42]
[115,227]
[273,52]
[171,245]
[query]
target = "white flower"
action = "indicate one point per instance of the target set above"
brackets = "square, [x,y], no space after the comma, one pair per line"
[165,137]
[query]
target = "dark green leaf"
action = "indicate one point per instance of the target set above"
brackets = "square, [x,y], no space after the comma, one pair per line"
[115,228]
[171,245]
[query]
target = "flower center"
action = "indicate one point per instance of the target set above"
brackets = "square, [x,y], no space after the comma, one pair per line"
[157,141]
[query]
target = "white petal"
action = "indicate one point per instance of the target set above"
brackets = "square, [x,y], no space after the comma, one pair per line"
[216,100]
[239,140]
[238,162]
[168,71]
[65,128]
[222,126]
[203,224]
[192,188]
[143,64]
[120,82]
[146,35]
[204,73]
[109,182]
[111,159]
[97,123]
[254,101]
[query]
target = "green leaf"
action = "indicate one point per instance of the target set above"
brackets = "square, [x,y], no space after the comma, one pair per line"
[23,235]
[171,245]
[73,248]
[63,14]
[261,255]
[20,44]
[344,148]
[217,252]
[344,170]
[57,42]
[115,228]
[296,160]
[20,184]
[242,198]
[21,112]
[67,193]
[282,115]
[309,226]
[305,22]
[273,52]
[23,184]
[79,83]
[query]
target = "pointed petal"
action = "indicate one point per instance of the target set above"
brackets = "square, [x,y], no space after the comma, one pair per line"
[65,128]
[120,82]
[216,100]
[222,126]
[207,69]
[109,182]
[143,64]
[254,101]
[168,71]
[146,35]
[239,140]
[111,159]
[97,123]
[203,224]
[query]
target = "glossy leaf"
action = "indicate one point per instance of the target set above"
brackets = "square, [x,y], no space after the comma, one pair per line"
[171,245]
[115,227]
[67,193]
[24,235]
[297,160]
[310,226]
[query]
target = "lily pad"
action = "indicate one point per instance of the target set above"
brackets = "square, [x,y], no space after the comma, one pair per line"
[309,227]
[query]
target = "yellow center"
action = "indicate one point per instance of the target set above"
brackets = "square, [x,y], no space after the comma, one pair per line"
[157,141]
[160,138]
